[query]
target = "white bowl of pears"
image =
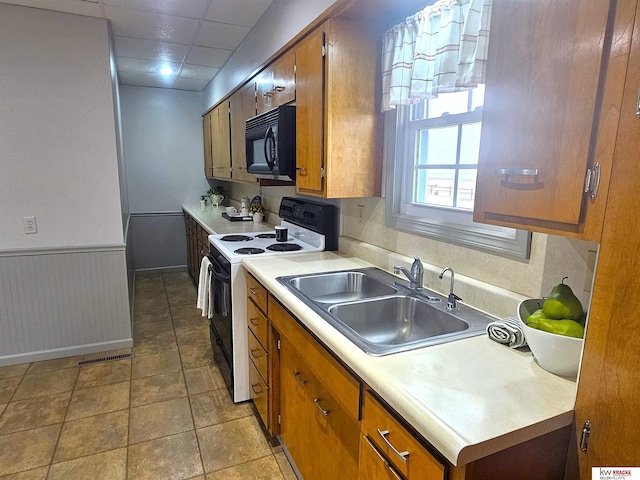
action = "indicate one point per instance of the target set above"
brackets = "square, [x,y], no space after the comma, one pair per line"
[554,330]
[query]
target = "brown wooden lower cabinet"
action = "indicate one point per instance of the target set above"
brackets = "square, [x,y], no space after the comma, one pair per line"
[320,435]
[396,446]
[335,426]
[197,245]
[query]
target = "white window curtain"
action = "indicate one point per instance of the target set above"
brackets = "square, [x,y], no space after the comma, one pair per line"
[440,49]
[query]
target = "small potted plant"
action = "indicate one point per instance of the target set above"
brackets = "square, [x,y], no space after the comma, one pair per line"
[217,195]
[257,211]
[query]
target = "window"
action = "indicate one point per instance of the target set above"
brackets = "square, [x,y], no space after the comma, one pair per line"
[431,150]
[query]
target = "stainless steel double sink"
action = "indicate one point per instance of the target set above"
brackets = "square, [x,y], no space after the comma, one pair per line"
[381,315]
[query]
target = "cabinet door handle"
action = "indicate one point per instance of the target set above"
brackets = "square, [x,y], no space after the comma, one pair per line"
[529,172]
[401,455]
[279,88]
[256,388]
[255,353]
[638,103]
[317,401]
[253,292]
[586,432]
[384,460]
[300,381]
[253,321]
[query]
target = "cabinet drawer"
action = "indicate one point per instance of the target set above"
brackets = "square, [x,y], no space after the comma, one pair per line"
[257,323]
[259,393]
[344,387]
[258,355]
[406,453]
[257,293]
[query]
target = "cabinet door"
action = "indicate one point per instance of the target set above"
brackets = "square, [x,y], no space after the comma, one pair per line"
[338,137]
[284,79]
[208,152]
[321,437]
[243,107]
[276,85]
[221,141]
[609,382]
[310,113]
[541,102]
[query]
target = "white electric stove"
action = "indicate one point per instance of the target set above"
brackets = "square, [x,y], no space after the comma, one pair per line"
[312,227]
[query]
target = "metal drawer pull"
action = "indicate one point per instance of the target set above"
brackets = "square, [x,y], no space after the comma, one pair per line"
[256,389]
[255,353]
[253,321]
[638,103]
[253,292]
[300,381]
[381,457]
[279,88]
[317,401]
[401,455]
[530,172]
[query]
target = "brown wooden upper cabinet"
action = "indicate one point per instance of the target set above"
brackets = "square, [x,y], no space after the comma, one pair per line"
[220,140]
[276,85]
[552,103]
[338,138]
[242,106]
[208,154]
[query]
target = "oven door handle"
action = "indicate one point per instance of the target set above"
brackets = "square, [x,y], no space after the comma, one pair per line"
[217,273]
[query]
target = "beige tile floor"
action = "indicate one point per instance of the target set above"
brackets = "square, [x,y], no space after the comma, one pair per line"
[162,414]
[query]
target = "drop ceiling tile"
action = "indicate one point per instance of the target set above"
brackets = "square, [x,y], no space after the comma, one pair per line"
[152,26]
[80,7]
[220,35]
[140,65]
[144,80]
[150,49]
[198,72]
[183,8]
[190,84]
[209,57]
[237,12]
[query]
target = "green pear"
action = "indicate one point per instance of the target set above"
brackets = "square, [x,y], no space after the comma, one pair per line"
[562,303]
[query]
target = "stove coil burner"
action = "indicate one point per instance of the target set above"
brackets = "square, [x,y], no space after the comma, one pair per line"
[249,251]
[236,238]
[266,235]
[284,247]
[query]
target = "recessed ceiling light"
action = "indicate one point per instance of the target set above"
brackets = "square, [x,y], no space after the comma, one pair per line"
[166,70]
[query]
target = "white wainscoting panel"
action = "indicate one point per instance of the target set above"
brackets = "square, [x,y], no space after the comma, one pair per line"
[57,303]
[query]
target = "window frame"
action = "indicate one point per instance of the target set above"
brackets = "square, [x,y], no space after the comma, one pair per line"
[445,224]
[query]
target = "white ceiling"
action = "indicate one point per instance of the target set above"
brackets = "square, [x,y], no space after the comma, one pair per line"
[192,37]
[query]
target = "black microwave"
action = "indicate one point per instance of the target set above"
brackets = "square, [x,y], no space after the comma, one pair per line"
[271,144]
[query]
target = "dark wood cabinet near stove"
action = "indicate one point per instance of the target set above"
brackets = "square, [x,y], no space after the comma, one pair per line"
[197,245]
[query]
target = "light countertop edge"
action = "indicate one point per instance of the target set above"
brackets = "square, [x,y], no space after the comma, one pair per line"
[212,221]
[488,397]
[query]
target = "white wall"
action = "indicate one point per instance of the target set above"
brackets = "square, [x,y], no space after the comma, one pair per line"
[63,291]
[163,144]
[57,135]
[281,22]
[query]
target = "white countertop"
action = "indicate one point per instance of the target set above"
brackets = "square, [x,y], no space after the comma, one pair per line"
[468,398]
[212,221]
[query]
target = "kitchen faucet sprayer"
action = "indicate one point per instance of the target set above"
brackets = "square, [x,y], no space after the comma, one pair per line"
[452,299]
[416,274]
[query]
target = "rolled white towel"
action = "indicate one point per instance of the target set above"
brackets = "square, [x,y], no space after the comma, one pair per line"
[204,288]
[507,331]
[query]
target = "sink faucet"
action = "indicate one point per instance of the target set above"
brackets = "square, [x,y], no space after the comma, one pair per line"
[415,275]
[452,299]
